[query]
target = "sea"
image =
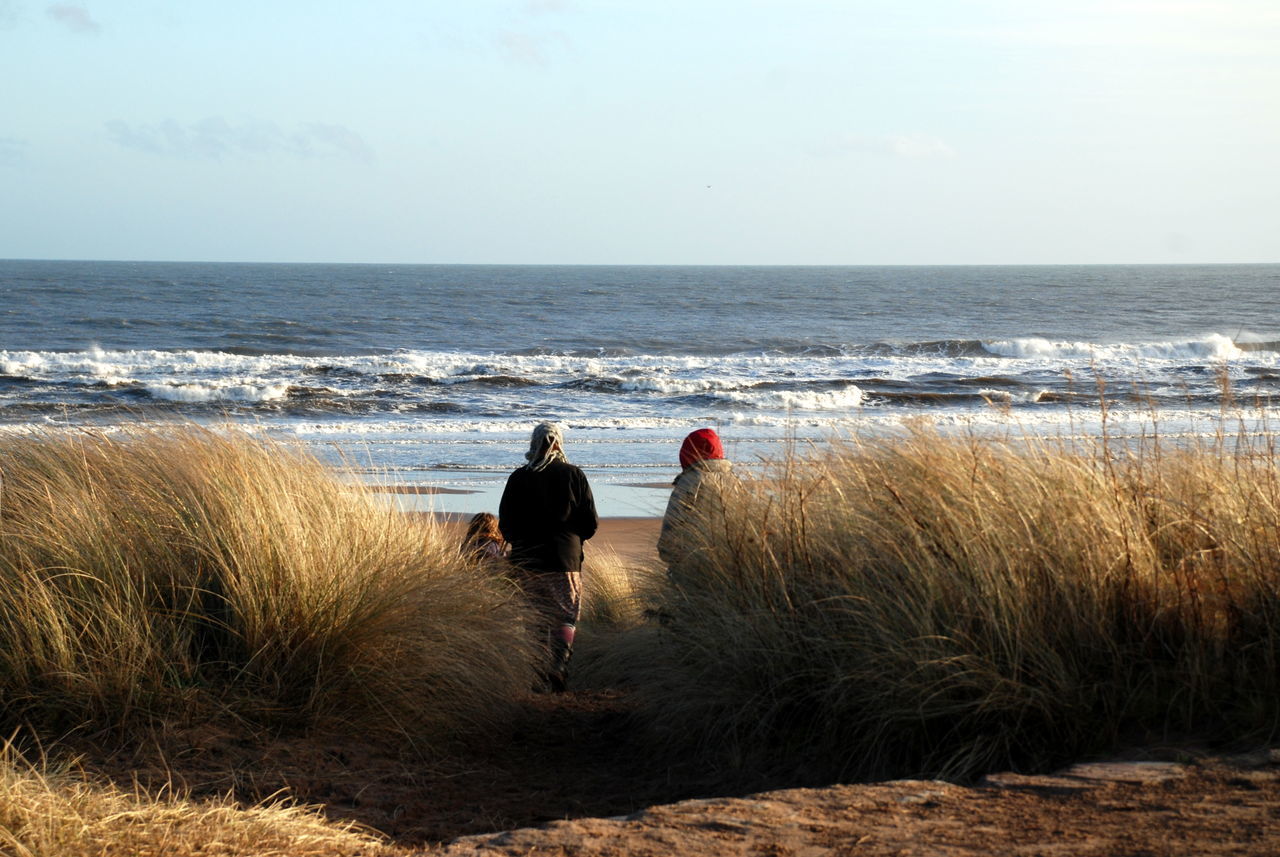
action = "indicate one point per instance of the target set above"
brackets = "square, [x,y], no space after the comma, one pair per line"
[427,379]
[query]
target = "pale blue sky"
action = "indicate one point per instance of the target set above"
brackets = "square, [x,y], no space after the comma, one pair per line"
[621,131]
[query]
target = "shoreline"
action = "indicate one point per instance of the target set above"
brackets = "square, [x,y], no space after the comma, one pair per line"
[629,499]
[418,489]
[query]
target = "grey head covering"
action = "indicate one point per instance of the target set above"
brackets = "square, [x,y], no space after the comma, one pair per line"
[545,446]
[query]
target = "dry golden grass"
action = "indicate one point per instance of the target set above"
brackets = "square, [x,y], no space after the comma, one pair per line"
[616,606]
[921,605]
[182,572]
[58,813]
[616,592]
[948,606]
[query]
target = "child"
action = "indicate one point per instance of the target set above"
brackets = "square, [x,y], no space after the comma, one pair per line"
[697,504]
[484,540]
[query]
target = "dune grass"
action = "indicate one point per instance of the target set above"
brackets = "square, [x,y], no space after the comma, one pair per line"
[616,593]
[57,812]
[921,605]
[178,572]
[617,603]
[941,606]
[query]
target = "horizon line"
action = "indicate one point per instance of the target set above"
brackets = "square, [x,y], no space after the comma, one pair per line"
[645,264]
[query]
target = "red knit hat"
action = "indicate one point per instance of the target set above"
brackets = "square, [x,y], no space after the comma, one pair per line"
[700,445]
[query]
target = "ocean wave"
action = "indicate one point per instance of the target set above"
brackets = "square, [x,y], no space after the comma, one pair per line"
[513,381]
[804,350]
[579,353]
[202,393]
[945,348]
[332,371]
[988,381]
[1013,396]
[496,380]
[1214,347]
[924,397]
[538,365]
[471,430]
[811,382]
[593,385]
[794,400]
[673,386]
[405,378]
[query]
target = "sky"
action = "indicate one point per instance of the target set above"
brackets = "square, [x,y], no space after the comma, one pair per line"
[797,132]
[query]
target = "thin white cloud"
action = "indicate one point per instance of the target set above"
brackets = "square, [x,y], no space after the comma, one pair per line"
[908,146]
[530,49]
[75,18]
[216,138]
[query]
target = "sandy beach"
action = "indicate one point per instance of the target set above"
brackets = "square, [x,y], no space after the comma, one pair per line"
[633,539]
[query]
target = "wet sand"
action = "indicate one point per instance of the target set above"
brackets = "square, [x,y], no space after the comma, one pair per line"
[632,539]
[417,489]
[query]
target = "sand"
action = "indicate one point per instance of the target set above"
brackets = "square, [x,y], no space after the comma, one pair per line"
[634,540]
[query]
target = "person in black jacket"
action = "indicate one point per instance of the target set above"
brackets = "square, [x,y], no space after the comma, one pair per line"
[546,513]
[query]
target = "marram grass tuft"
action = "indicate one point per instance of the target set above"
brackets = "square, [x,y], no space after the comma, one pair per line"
[172,572]
[51,812]
[944,607]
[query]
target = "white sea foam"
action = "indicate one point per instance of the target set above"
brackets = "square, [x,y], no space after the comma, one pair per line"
[1026,396]
[20,362]
[792,400]
[681,386]
[643,392]
[1214,346]
[666,373]
[445,429]
[173,392]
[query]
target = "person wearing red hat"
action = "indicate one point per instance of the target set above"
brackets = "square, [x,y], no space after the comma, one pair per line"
[697,496]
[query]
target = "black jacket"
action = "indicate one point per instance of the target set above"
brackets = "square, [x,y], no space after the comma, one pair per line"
[546,515]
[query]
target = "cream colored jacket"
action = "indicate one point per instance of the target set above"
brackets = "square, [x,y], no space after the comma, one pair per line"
[697,503]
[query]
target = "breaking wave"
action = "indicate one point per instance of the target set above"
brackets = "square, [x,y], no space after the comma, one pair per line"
[1029,372]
